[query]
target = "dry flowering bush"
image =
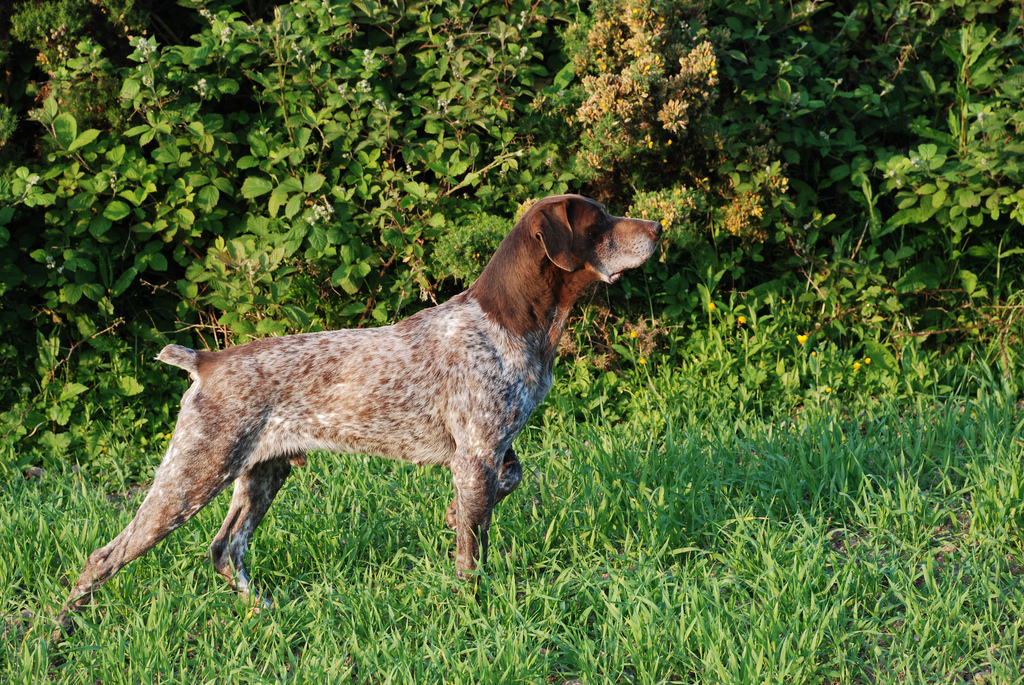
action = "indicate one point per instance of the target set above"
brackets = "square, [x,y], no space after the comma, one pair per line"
[680,211]
[648,74]
[650,125]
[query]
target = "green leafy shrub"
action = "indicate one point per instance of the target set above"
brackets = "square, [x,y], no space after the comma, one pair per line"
[465,248]
[888,116]
[275,176]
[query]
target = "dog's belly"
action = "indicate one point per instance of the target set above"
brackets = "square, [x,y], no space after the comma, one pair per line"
[420,442]
[414,439]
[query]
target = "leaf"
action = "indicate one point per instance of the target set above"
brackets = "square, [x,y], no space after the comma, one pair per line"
[912,215]
[927,80]
[296,314]
[289,185]
[49,111]
[255,186]
[99,225]
[128,386]
[293,206]
[116,210]
[269,327]
[207,197]
[920,277]
[415,189]
[880,357]
[122,283]
[83,139]
[969,280]
[94,291]
[167,154]
[65,128]
[564,77]
[276,200]
[784,90]
[243,327]
[317,238]
[130,89]
[72,293]
[157,262]
[840,172]
[138,130]
[228,86]
[185,216]
[312,182]
[72,390]
[81,201]
[116,154]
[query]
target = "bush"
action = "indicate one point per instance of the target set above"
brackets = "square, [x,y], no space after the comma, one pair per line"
[888,115]
[337,164]
[647,110]
[289,174]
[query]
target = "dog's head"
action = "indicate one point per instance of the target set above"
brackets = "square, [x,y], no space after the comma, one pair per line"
[560,245]
[577,233]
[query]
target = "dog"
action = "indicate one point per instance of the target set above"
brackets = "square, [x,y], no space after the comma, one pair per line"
[452,385]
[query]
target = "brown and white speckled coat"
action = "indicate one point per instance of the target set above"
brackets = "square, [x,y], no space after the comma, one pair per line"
[450,386]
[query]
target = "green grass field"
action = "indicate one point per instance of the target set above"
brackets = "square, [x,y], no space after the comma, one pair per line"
[672,540]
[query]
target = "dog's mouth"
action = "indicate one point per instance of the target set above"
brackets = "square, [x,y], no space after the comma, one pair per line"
[616,276]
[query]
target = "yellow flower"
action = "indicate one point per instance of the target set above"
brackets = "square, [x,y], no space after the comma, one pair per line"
[633,334]
[867,360]
[643,362]
[742,320]
[711,306]
[828,389]
[801,339]
[813,353]
[856,366]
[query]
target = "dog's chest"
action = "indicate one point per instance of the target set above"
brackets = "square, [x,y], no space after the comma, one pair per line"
[526,394]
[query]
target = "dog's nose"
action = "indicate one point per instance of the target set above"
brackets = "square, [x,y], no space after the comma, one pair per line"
[656,229]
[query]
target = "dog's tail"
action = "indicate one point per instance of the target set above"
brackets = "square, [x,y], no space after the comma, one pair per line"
[182,357]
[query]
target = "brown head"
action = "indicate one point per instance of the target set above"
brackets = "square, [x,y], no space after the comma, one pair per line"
[562,244]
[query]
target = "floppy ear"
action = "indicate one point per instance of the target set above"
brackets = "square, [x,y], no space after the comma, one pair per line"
[551,226]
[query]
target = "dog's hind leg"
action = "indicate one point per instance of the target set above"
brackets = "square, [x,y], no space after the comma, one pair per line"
[197,467]
[254,492]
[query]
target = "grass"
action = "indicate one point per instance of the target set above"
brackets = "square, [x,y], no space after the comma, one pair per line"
[655,538]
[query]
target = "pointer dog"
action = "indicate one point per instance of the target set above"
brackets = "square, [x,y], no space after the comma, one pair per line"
[452,385]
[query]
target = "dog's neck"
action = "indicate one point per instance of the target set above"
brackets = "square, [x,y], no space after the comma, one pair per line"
[521,290]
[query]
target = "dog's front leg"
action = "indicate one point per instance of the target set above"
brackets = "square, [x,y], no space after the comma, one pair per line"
[509,476]
[476,488]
